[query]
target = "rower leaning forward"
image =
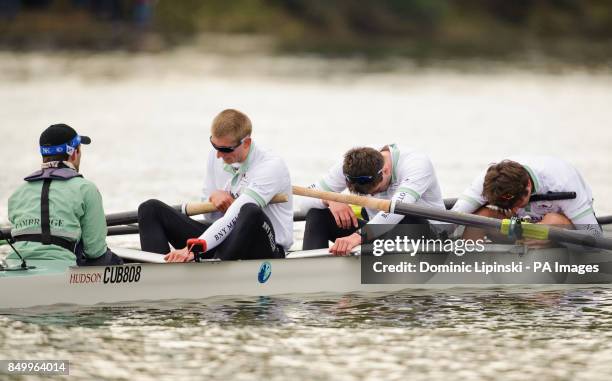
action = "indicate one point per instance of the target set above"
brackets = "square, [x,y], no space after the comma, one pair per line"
[241,179]
[389,173]
[57,214]
[541,189]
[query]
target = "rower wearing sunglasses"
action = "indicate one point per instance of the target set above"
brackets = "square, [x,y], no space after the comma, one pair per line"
[543,189]
[406,176]
[241,179]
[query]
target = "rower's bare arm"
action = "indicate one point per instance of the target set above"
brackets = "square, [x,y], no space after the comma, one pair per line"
[343,214]
[222,200]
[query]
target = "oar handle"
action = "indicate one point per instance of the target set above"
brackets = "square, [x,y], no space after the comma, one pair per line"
[368,202]
[195,208]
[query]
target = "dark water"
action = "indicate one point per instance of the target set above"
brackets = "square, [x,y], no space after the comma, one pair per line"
[500,334]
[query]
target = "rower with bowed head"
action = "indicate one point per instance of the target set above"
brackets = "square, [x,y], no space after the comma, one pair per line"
[405,176]
[57,214]
[241,179]
[504,190]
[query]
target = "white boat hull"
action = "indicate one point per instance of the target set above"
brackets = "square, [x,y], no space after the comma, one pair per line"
[306,273]
[93,285]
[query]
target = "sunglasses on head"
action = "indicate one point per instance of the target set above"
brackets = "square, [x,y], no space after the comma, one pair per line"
[362,179]
[226,149]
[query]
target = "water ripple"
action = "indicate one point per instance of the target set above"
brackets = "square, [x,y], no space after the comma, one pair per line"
[457,334]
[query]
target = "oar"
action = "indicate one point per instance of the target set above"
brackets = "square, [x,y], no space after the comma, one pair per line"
[604,220]
[129,218]
[551,196]
[122,230]
[535,231]
[133,228]
[192,209]
[125,223]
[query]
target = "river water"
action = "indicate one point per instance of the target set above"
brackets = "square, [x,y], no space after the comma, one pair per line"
[148,116]
[417,335]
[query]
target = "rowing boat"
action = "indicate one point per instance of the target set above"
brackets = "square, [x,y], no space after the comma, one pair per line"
[318,272]
[303,272]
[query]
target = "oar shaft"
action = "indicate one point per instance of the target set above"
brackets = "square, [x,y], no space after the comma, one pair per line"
[192,209]
[122,230]
[604,220]
[133,228]
[537,231]
[127,218]
[578,237]
[195,208]
[529,230]
[445,215]
[368,202]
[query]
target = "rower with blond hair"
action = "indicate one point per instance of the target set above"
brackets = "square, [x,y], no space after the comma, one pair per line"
[241,179]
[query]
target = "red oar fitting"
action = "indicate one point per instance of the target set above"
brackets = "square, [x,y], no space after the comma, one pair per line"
[196,243]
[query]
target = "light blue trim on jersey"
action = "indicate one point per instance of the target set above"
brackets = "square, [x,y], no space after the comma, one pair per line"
[534,179]
[411,192]
[260,201]
[324,186]
[395,154]
[244,167]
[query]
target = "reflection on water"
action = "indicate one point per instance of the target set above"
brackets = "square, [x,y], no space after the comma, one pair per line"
[460,334]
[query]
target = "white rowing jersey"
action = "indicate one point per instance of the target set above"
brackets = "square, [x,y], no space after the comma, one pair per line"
[413,180]
[256,180]
[548,174]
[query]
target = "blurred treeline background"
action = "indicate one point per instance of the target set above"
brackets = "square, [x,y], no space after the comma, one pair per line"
[570,30]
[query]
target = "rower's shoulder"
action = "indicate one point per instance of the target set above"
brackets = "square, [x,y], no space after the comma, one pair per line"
[541,162]
[410,152]
[77,181]
[82,182]
[414,158]
[87,188]
[552,173]
[545,165]
[267,157]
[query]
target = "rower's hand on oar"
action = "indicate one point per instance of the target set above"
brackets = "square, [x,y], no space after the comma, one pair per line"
[343,214]
[182,255]
[344,245]
[221,200]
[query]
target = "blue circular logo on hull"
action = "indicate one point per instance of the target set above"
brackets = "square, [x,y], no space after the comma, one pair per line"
[265,270]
